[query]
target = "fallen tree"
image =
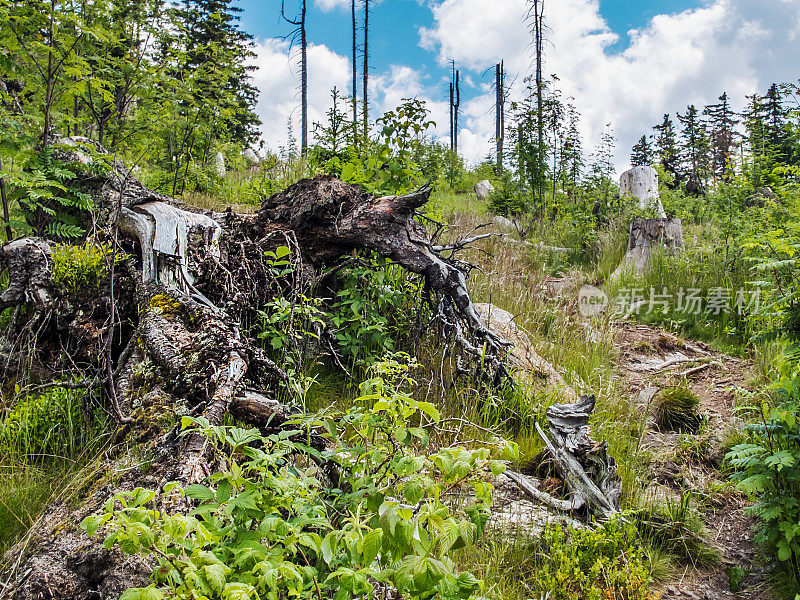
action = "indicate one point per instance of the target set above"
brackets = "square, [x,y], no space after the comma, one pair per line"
[180,283]
[165,335]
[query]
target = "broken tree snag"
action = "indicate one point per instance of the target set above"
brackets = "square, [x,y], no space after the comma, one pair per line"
[642,183]
[646,235]
[587,470]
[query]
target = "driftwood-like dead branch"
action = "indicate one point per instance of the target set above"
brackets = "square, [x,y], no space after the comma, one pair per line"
[531,490]
[587,470]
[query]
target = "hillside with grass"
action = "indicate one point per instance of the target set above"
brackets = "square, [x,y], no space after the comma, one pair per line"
[363,367]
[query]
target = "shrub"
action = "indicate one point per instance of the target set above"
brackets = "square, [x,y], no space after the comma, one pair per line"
[271,527]
[769,471]
[566,564]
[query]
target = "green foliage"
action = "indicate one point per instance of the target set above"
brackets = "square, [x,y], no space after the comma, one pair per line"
[44,190]
[566,564]
[508,198]
[768,470]
[676,409]
[368,310]
[394,163]
[53,424]
[76,267]
[269,526]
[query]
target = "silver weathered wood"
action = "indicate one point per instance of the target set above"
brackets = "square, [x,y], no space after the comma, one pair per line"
[642,183]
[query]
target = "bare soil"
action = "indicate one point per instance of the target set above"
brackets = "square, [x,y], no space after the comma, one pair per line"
[694,460]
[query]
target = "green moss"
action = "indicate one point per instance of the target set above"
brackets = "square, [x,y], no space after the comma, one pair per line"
[167,306]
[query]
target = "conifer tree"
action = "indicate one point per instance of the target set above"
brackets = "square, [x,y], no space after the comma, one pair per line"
[721,125]
[690,148]
[641,153]
[667,149]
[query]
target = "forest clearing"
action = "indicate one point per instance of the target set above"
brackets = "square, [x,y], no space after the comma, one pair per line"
[364,365]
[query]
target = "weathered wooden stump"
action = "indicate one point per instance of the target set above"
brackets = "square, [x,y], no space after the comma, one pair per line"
[642,183]
[646,234]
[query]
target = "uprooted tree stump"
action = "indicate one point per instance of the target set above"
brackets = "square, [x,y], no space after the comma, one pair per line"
[165,335]
[164,339]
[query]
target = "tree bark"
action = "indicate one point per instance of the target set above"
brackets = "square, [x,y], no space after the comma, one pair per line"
[644,236]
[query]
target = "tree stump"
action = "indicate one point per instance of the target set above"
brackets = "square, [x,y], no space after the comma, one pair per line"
[642,183]
[646,234]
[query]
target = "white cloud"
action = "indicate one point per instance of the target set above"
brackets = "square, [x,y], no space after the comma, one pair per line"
[328,5]
[737,46]
[277,78]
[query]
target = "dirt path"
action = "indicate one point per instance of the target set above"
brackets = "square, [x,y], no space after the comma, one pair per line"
[651,360]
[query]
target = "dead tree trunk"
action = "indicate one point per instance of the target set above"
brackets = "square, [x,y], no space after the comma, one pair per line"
[188,281]
[645,234]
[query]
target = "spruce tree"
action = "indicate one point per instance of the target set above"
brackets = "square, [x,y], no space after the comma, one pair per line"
[690,148]
[721,124]
[667,149]
[641,153]
[215,52]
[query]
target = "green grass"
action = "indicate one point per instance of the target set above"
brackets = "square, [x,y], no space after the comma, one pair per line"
[703,266]
[46,441]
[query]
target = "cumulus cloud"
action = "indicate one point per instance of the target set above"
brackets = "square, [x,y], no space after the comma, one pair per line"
[737,46]
[277,77]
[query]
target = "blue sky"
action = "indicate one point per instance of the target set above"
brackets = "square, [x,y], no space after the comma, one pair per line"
[679,52]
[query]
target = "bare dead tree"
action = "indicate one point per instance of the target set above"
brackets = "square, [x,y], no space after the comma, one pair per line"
[450,106]
[455,103]
[300,23]
[354,92]
[365,74]
[500,100]
[538,17]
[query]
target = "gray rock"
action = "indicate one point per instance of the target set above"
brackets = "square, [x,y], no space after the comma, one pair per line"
[483,189]
[503,222]
[250,156]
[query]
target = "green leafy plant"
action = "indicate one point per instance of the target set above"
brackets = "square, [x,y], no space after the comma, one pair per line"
[768,470]
[44,192]
[367,310]
[566,564]
[271,526]
[76,267]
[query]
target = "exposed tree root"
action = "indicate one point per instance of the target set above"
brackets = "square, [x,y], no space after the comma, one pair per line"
[188,281]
